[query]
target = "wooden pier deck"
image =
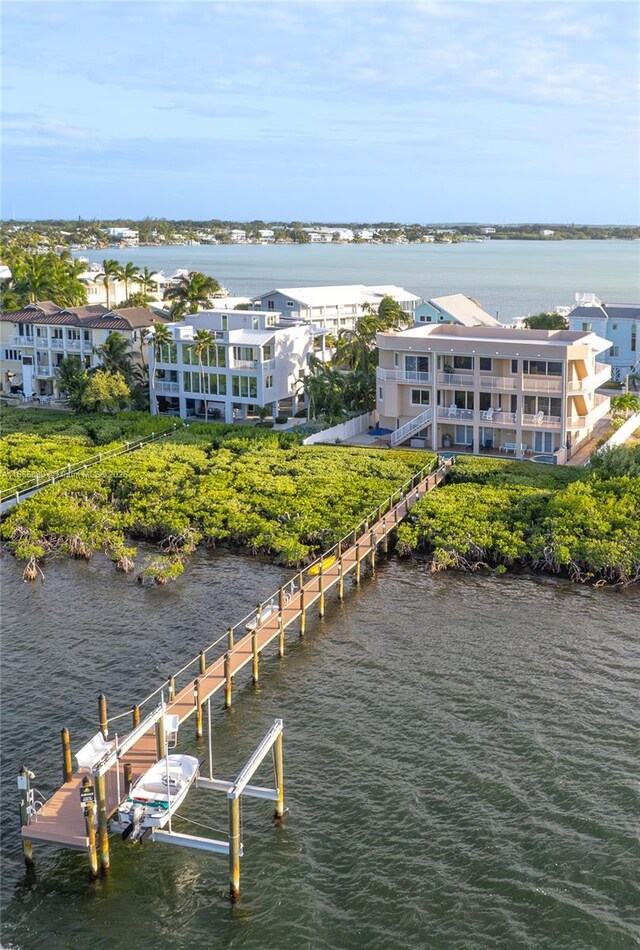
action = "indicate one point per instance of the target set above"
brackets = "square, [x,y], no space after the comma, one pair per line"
[61,821]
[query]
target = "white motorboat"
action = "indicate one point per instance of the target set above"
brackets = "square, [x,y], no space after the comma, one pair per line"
[157,794]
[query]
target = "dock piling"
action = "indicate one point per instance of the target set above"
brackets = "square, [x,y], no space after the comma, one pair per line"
[254,664]
[303,609]
[340,579]
[196,697]
[358,568]
[67,767]
[234,849]
[372,542]
[103,827]
[321,579]
[89,809]
[128,777]
[135,716]
[203,661]
[102,715]
[26,797]
[172,688]
[230,637]
[281,622]
[278,767]
[228,682]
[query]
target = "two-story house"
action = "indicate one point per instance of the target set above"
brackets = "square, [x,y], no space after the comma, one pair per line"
[618,322]
[35,339]
[334,308]
[255,361]
[454,308]
[491,389]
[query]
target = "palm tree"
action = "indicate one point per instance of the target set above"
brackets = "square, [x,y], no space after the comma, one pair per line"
[145,278]
[323,388]
[115,356]
[192,293]
[202,340]
[128,272]
[160,336]
[110,271]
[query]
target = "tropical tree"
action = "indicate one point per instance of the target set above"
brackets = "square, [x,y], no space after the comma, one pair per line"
[202,340]
[323,388]
[111,270]
[160,337]
[192,293]
[145,278]
[622,406]
[115,356]
[546,321]
[128,273]
[106,392]
[73,379]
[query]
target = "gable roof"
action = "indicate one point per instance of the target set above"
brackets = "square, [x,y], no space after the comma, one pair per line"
[336,294]
[465,310]
[95,316]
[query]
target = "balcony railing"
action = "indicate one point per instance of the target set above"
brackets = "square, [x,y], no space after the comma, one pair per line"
[268,366]
[403,375]
[244,364]
[542,384]
[456,379]
[454,413]
[164,386]
[22,340]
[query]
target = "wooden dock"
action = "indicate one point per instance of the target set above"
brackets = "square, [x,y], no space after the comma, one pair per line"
[61,819]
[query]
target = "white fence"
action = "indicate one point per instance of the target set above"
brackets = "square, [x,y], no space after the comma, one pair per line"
[621,435]
[346,430]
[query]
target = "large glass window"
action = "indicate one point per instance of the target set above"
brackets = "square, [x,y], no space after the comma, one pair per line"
[416,364]
[244,386]
[168,353]
[485,401]
[542,368]
[463,362]
[463,399]
[550,406]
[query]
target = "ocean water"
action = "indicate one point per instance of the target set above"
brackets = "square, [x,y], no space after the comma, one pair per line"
[460,763]
[508,278]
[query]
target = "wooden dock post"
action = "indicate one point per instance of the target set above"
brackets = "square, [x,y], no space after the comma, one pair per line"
[303,609]
[254,648]
[321,579]
[160,737]
[358,568]
[385,542]
[135,716]
[340,579]
[372,542]
[196,696]
[24,784]
[234,849]
[128,777]
[103,826]
[228,681]
[281,622]
[203,662]
[102,715]
[278,765]
[172,688]
[89,809]
[67,767]
[230,637]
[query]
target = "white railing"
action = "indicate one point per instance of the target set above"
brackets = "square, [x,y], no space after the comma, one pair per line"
[345,430]
[165,386]
[73,344]
[456,379]
[268,366]
[621,435]
[542,420]
[498,382]
[403,375]
[410,428]
[244,364]
[22,340]
[542,384]
[452,412]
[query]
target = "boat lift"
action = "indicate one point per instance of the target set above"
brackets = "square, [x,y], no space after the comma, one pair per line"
[234,790]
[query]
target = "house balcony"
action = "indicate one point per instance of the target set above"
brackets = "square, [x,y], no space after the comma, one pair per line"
[268,366]
[164,387]
[457,379]
[22,341]
[244,364]
[403,376]
[74,345]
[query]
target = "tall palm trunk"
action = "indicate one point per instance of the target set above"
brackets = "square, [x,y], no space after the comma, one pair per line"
[204,394]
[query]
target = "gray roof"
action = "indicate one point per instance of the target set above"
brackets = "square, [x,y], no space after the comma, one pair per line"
[623,311]
[96,317]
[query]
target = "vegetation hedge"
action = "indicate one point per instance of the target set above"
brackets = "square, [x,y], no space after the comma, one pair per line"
[582,523]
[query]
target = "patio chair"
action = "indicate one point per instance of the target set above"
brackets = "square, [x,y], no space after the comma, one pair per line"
[539,418]
[487,415]
[453,411]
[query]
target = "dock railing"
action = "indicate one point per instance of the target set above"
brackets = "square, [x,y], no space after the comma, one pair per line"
[50,478]
[226,642]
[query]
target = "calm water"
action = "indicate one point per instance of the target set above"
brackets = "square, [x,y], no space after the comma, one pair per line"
[460,755]
[509,277]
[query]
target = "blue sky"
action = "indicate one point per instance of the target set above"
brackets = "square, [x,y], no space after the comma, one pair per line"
[351,111]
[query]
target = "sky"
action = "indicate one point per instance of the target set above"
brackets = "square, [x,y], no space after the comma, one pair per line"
[422,111]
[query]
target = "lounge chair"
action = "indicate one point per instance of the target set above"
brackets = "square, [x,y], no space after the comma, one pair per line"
[93,753]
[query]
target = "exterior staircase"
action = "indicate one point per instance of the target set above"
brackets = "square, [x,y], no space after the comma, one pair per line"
[411,428]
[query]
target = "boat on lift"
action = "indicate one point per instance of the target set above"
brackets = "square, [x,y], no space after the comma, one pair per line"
[156,796]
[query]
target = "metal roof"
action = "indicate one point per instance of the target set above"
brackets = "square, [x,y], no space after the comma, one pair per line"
[90,317]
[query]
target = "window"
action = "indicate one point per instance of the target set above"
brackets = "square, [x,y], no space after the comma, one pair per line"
[634,338]
[514,366]
[267,352]
[187,354]
[12,355]
[396,359]
[225,323]
[615,351]
[550,406]
[614,326]
[215,384]
[244,354]
[26,330]
[86,336]
[289,303]
[464,436]
[73,334]
[244,386]
[485,401]
[56,333]
[587,327]
[416,364]
[420,397]
[541,368]
[463,362]
[168,353]
[463,399]
[41,332]
[268,382]
[270,306]
[380,393]
[255,323]
[543,442]
[485,364]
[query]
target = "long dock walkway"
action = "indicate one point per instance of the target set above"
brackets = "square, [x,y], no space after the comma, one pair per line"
[60,820]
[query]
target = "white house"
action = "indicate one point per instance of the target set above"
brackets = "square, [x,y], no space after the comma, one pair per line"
[618,322]
[491,389]
[256,361]
[125,235]
[454,308]
[333,307]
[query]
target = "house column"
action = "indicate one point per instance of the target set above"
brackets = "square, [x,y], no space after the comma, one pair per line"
[228,411]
